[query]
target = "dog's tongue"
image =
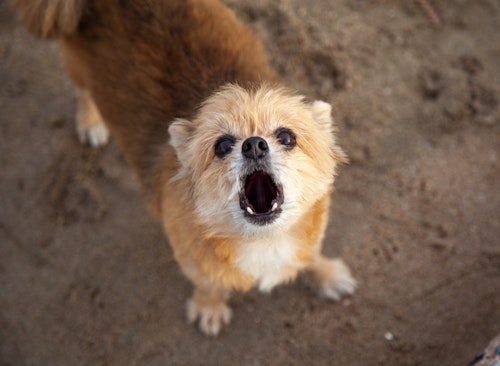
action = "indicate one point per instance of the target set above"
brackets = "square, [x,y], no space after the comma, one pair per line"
[260,192]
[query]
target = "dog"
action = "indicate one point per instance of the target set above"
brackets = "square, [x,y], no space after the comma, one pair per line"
[238,168]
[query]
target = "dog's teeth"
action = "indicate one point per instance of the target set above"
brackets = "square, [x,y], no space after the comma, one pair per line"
[250,211]
[275,206]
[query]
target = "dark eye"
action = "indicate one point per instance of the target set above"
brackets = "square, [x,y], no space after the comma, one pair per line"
[224,146]
[286,137]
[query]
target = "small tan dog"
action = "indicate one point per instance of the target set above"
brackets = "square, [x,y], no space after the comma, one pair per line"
[238,169]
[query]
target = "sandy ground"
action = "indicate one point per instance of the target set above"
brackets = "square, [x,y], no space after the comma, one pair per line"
[87,276]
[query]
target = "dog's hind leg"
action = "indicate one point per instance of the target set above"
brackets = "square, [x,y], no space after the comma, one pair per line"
[89,123]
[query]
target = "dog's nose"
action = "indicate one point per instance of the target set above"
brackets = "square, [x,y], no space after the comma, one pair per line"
[254,148]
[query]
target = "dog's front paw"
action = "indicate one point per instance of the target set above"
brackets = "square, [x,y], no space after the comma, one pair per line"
[211,317]
[339,283]
[332,278]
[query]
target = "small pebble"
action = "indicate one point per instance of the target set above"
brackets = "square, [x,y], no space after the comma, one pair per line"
[389,336]
[346,302]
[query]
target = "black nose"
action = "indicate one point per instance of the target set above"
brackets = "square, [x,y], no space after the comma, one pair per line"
[254,148]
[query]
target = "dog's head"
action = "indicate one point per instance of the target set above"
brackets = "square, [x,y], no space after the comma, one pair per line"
[256,159]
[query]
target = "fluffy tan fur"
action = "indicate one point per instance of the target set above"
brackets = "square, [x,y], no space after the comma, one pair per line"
[169,79]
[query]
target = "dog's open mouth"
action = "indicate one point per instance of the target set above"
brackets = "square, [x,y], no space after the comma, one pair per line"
[261,198]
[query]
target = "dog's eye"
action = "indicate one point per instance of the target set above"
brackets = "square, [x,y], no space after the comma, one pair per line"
[224,146]
[286,137]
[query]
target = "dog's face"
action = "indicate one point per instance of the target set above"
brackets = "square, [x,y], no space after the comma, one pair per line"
[257,160]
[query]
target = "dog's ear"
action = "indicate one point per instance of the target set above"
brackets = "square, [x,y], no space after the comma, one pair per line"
[322,114]
[180,132]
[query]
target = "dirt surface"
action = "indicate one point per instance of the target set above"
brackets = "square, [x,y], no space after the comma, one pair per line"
[87,276]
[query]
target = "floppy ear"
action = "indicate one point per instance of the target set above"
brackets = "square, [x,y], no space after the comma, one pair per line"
[322,114]
[180,131]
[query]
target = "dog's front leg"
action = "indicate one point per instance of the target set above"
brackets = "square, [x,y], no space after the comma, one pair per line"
[331,277]
[209,306]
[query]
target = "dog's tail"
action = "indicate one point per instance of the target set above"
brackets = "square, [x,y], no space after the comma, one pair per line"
[50,18]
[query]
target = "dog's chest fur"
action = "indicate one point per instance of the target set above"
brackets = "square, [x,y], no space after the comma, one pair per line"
[270,261]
